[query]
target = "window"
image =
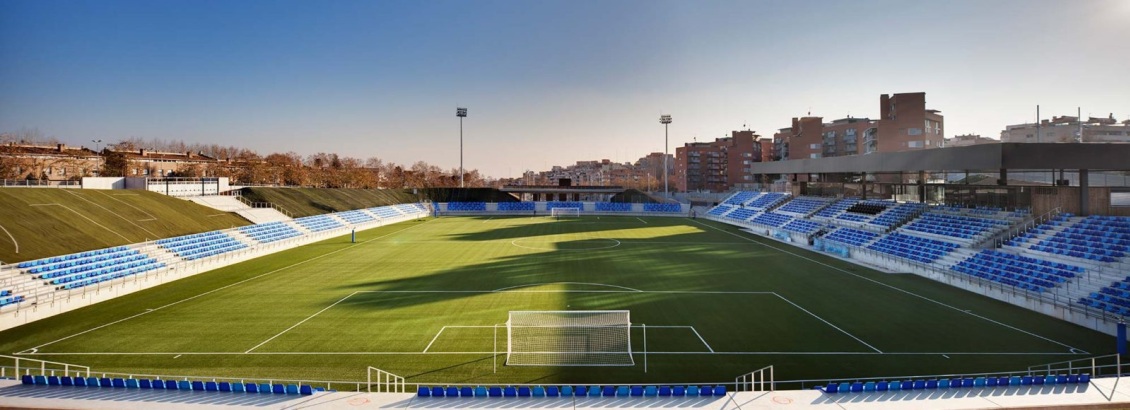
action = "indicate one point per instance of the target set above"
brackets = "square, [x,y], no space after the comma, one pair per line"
[813,146]
[814,155]
[914,144]
[913,131]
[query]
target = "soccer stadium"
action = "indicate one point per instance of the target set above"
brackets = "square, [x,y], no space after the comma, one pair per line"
[268,204]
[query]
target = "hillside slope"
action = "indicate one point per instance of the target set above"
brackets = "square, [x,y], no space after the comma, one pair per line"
[314,201]
[47,222]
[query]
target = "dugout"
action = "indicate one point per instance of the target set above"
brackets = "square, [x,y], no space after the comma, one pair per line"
[1083,179]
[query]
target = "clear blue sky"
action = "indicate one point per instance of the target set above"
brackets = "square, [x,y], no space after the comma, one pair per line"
[546,82]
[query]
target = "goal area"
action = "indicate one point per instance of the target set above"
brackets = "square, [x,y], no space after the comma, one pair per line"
[569,338]
[566,212]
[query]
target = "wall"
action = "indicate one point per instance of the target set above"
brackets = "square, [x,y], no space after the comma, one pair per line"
[103,183]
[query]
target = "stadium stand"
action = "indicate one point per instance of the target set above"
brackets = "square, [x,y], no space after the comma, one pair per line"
[466,206]
[956,226]
[719,210]
[768,200]
[201,245]
[409,209]
[741,197]
[741,214]
[896,215]
[613,207]
[912,247]
[849,236]
[355,217]
[1024,272]
[836,208]
[1094,238]
[772,219]
[802,226]
[980,382]
[318,223]
[662,207]
[71,257]
[167,385]
[679,391]
[802,206]
[270,232]
[1114,298]
[385,212]
[515,206]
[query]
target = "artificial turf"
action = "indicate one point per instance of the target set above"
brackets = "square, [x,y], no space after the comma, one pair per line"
[716,302]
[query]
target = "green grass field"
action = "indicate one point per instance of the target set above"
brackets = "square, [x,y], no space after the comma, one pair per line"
[420,299]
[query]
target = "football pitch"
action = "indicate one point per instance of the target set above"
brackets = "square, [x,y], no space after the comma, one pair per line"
[423,299]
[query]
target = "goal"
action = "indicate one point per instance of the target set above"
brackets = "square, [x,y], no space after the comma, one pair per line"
[569,338]
[567,212]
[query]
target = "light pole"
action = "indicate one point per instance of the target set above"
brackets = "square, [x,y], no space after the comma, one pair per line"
[665,120]
[461,113]
[98,144]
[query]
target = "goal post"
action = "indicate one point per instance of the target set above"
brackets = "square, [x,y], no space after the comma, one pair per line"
[566,212]
[569,338]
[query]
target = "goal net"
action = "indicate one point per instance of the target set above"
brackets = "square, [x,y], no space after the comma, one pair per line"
[569,338]
[567,212]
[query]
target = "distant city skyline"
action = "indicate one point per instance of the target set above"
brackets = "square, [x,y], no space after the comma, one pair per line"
[546,83]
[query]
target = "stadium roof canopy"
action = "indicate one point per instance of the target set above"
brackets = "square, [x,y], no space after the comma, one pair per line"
[975,157]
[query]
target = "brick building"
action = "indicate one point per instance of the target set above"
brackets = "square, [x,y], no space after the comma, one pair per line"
[905,124]
[47,163]
[717,166]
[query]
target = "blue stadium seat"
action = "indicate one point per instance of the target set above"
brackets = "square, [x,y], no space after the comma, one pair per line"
[538,391]
[132,384]
[252,387]
[894,385]
[52,381]
[292,389]
[981,382]
[706,391]
[664,391]
[494,391]
[1084,378]
[692,391]
[423,391]
[107,382]
[552,391]
[66,381]
[869,386]
[27,379]
[437,391]
[679,391]
[931,384]
[509,391]
[909,385]
[856,387]
[225,386]
[524,391]
[466,391]
[650,391]
[451,391]
[832,388]
[845,387]
[581,391]
[197,385]
[264,388]
[608,391]
[305,390]
[172,385]
[880,386]
[566,391]
[1038,380]
[1060,379]
[594,391]
[237,387]
[80,381]
[480,391]
[211,386]
[720,390]
[944,383]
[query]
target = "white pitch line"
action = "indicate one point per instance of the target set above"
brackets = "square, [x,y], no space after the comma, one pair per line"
[566,283]
[301,322]
[703,340]
[218,289]
[641,220]
[429,346]
[829,323]
[890,286]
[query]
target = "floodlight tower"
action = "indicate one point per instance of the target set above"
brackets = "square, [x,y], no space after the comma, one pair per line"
[461,113]
[665,120]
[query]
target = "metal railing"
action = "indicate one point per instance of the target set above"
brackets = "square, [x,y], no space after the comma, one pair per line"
[45,367]
[38,183]
[755,380]
[385,382]
[254,204]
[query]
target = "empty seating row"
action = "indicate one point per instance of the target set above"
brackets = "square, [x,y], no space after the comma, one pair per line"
[1037,230]
[106,254]
[802,206]
[719,210]
[95,267]
[802,226]
[741,214]
[515,206]
[741,197]
[662,207]
[10,299]
[107,276]
[270,232]
[55,259]
[1031,263]
[956,226]
[319,223]
[563,204]
[837,207]
[767,200]
[1097,238]
[1011,276]
[466,206]
[851,236]
[202,245]
[613,207]
[385,212]
[159,384]
[82,265]
[411,209]
[955,383]
[355,217]
[1106,303]
[570,391]
[772,219]
[897,214]
[912,247]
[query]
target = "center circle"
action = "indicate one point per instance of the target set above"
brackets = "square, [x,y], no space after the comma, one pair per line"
[581,245]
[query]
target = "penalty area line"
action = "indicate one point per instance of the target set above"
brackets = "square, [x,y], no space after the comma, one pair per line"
[429,346]
[828,323]
[301,322]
